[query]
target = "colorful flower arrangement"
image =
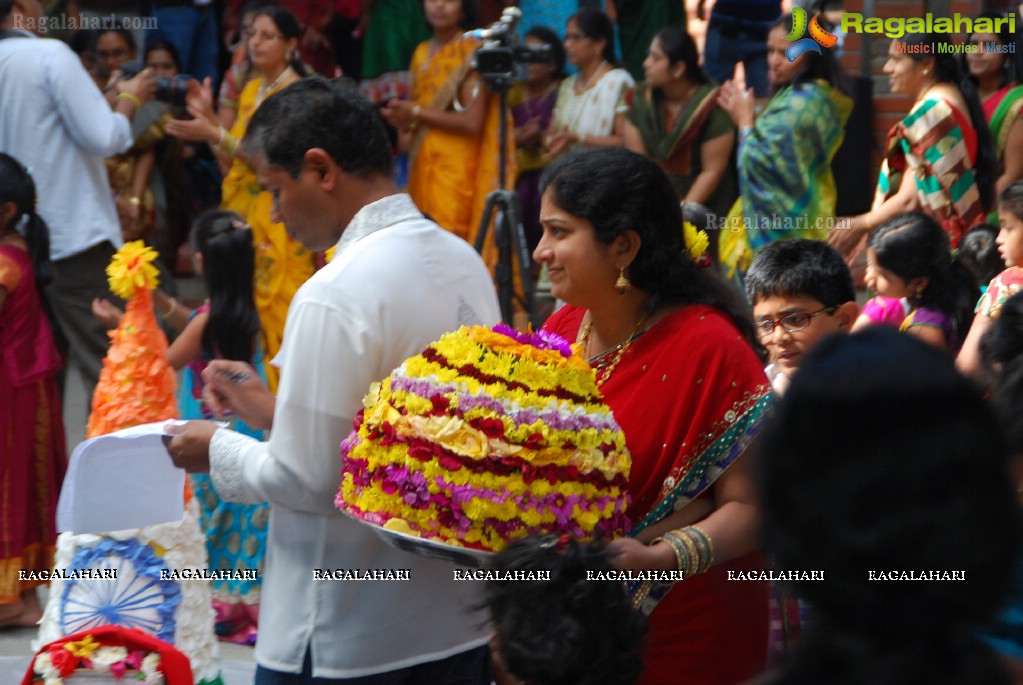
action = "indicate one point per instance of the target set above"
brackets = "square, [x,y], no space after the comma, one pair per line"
[61,661]
[136,384]
[486,436]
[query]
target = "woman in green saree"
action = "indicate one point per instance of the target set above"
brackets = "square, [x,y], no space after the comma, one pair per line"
[675,120]
[786,186]
[1001,97]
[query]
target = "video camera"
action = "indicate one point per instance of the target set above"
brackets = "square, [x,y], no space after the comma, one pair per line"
[502,53]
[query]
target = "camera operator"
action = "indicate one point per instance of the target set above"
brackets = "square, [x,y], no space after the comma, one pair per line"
[452,123]
[62,129]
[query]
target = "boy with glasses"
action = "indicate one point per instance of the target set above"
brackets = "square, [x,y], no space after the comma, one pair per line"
[801,292]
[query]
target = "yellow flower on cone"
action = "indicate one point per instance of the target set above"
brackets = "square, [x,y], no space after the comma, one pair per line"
[132,270]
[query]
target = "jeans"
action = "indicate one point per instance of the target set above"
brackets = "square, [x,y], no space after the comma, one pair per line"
[728,45]
[467,668]
[193,31]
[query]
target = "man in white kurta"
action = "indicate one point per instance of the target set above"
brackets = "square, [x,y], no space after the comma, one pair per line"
[395,284]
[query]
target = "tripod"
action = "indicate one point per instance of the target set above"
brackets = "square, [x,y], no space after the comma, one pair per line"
[509,235]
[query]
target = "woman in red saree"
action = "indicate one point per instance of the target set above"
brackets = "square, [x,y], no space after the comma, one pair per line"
[676,359]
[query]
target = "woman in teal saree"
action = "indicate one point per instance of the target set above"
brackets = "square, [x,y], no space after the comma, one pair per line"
[786,186]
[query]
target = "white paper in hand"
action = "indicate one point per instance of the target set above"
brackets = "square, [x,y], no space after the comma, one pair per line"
[119,481]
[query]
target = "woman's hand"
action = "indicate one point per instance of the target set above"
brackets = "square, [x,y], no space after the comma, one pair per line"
[142,85]
[556,143]
[203,127]
[199,99]
[398,113]
[846,235]
[630,554]
[739,104]
[529,135]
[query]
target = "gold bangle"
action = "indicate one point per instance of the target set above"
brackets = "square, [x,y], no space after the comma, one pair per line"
[171,308]
[134,201]
[416,109]
[676,547]
[228,142]
[130,97]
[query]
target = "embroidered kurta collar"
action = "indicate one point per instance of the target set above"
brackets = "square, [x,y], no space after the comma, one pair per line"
[378,215]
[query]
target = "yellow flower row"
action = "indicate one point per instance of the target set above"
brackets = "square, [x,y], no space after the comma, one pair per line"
[419,367]
[585,439]
[378,458]
[519,364]
[459,437]
[372,500]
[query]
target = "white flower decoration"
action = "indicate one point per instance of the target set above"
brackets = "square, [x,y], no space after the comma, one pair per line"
[104,657]
[150,665]
[44,667]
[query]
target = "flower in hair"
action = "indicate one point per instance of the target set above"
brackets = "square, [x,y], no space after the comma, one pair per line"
[696,242]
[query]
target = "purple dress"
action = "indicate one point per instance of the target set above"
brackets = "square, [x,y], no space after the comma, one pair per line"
[529,159]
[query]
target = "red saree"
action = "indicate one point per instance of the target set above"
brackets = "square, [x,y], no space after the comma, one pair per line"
[690,395]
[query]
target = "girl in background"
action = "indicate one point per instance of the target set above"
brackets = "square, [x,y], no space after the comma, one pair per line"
[1004,285]
[32,442]
[532,107]
[922,289]
[226,327]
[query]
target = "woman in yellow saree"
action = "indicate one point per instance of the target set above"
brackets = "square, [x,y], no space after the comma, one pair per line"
[454,122]
[282,264]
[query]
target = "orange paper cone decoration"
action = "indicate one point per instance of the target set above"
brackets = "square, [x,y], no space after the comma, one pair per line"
[136,385]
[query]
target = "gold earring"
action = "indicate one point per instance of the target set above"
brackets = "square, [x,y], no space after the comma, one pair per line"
[622,283]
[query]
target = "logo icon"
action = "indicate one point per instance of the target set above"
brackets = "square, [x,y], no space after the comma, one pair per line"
[819,37]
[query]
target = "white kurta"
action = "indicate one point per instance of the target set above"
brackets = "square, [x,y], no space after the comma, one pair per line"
[396,284]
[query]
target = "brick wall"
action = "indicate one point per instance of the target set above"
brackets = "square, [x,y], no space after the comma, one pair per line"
[889,108]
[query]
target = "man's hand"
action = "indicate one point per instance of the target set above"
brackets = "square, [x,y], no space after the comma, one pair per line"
[234,388]
[189,448]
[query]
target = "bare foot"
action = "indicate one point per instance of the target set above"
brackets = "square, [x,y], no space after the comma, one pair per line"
[10,612]
[22,614]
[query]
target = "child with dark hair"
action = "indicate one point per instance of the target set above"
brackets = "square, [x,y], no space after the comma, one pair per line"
[978,252]
[801,291]
[866,505]
[226,327]
[921,286]
[1004,285]
[569,630]
[32,444]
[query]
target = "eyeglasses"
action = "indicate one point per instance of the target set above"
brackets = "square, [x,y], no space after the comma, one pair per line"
[790,323]
[263,35]
[575,37]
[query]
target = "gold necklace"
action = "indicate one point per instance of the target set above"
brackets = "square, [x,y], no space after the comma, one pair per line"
[605,367]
